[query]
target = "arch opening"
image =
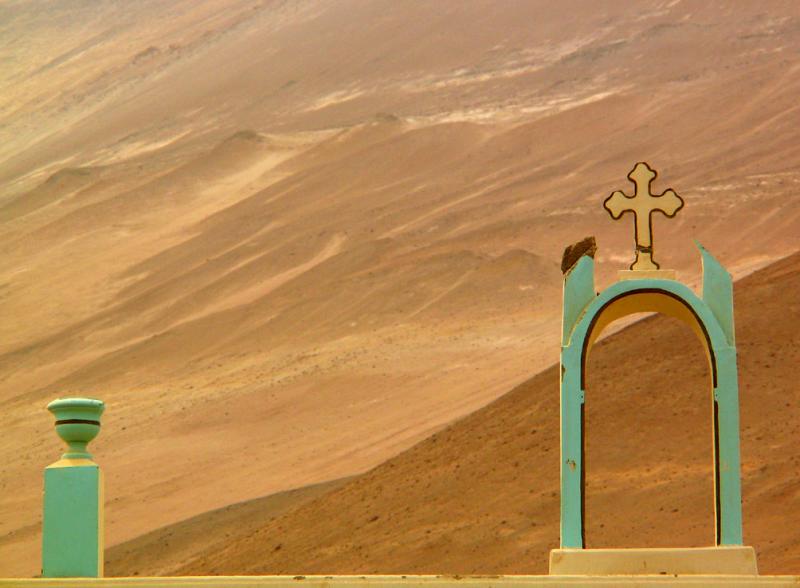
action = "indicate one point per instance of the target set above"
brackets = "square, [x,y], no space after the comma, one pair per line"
[647,300]
[648,472]
[711,321]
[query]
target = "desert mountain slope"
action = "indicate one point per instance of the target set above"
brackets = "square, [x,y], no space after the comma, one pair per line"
[160,552]
[286,240]
[481,496]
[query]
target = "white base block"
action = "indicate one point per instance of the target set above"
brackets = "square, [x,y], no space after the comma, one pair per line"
[733,560]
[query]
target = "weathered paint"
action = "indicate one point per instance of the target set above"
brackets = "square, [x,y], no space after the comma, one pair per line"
[711,318]
[718,293]
[578,293]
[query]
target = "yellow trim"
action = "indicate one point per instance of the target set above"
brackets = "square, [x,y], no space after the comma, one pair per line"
[659,274]
[73,463]
[101,524]
[647,302]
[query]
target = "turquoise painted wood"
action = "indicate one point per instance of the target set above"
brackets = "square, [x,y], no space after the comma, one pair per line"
[713,318]
[578,293]
[718,293]
[72,525]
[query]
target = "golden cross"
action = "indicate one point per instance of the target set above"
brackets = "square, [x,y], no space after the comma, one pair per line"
[643,204]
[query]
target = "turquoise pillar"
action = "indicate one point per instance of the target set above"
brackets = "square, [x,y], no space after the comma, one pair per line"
[718,296]
[578,293]
[728,467]
[572,467]
[72,527]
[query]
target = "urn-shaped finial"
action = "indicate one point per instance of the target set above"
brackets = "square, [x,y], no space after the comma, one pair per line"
[77,423]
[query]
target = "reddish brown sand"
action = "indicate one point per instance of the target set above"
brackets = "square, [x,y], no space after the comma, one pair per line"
[161,552]
[482,495]
[286,240]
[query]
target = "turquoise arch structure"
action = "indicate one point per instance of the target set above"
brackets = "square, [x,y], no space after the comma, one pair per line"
[586,313]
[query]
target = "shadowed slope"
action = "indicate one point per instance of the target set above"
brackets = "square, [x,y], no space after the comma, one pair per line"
[481,496]
[174,544]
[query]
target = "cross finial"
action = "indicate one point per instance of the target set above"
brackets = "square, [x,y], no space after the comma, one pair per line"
[643,204]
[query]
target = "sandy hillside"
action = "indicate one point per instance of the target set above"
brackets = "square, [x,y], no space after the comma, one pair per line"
[481,496]
[286,240]
[160,552]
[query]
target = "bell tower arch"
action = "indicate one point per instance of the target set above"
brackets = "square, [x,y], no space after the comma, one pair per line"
[647,288]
